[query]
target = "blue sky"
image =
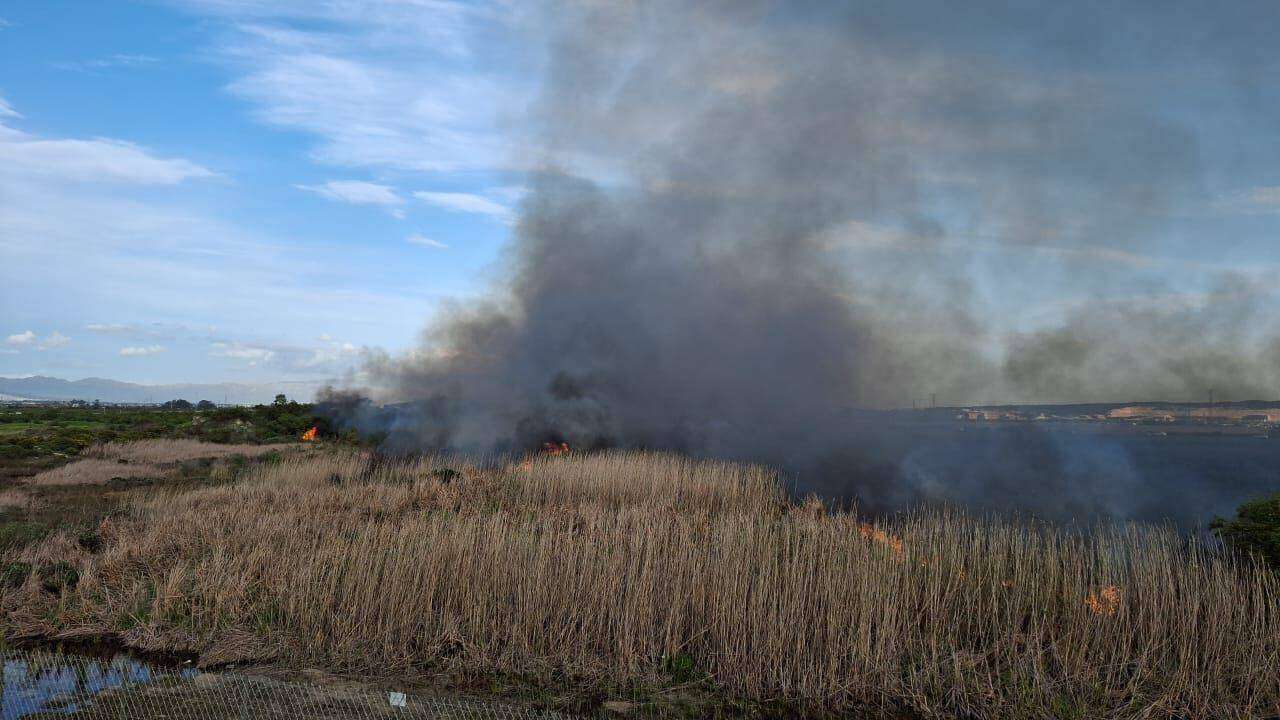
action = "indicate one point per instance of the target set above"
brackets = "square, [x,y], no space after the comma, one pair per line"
[259,190]
[243,191]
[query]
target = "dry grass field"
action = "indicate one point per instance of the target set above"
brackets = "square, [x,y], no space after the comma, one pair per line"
[646,574]
[142,459]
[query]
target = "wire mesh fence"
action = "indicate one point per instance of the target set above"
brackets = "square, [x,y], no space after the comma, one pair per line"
[56,685]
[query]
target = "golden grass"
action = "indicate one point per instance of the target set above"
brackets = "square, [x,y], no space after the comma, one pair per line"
[171,451]
[633,570]
[94,471]
[17,498]
[143,458]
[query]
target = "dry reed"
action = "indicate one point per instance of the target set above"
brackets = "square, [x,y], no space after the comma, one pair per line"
[18,498]
[142,459]
[94,471]
[171,451]
[613,569]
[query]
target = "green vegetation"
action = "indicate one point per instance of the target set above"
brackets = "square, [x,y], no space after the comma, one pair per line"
[35,438]
[38,439]
[1255,529]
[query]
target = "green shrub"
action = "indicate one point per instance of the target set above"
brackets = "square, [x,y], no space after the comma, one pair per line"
[55,577]
[90,541]
[14,535]
[1256,528]
[14,574]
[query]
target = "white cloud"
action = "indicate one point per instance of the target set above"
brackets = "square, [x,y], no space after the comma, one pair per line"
[54,339]
[69,246]
[334,354]
[28,338]
[102,160]
[424,241]
[380,84]
[6,110]
[357,192]
[467,203]
[237,351]
[141,351]
[22,338]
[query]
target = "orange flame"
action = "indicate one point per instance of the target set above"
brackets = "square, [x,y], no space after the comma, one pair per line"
[549,449]
[1104,601]
[554,449]
[877,535]
[311,434]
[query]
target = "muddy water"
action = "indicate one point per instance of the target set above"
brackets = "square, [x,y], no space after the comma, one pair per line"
[50,682]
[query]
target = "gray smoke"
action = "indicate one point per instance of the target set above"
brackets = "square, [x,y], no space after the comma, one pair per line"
[756,223]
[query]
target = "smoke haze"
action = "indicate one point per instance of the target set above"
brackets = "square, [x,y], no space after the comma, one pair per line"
[751,223]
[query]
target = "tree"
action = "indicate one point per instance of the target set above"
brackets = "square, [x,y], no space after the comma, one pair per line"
[205,405]
[1255,528]
[178,404]
[281,400]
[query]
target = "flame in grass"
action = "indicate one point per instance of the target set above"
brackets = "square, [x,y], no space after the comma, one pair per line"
[876,535]
[1110,597]
[311,434]
[549,449]
[555,449]
[1104,601]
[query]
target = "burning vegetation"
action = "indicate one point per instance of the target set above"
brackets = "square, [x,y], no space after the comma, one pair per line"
[773,603]
[555,449]
[1104,601]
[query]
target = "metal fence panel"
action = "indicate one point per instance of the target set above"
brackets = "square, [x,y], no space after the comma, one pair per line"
[53,685]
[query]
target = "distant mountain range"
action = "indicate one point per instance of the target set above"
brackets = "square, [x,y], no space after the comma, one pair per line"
[39,387]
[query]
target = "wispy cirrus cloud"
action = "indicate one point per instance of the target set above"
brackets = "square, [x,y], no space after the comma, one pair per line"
[381,84]
[424,241]
[467,203]
[97,160]
[102,218]
[356,192]
[117,60]
[6,110]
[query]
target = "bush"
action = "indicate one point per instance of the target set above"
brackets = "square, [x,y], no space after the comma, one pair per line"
[14,574]
[15,535]
[89,541]
[1256,528]
[56,577]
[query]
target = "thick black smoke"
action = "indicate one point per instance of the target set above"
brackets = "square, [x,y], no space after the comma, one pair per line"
[756,224]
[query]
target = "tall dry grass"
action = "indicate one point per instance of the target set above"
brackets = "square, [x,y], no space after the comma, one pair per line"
[622,569]
[143,459]
[94,471]
[162,451]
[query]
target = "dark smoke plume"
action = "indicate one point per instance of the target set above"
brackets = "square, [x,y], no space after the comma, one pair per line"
[757,224]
